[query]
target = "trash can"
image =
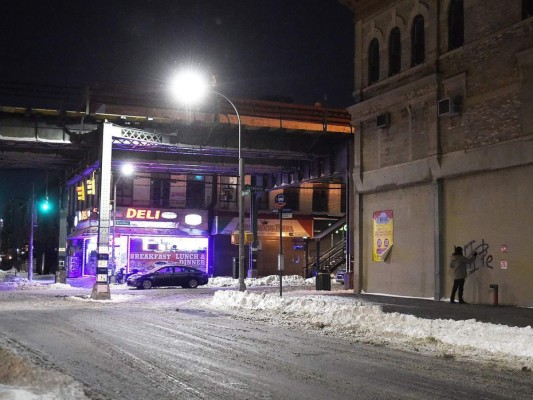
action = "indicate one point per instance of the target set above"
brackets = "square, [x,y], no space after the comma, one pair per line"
[235,267]
[323,280]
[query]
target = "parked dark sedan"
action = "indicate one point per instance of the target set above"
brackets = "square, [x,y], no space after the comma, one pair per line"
[168,275]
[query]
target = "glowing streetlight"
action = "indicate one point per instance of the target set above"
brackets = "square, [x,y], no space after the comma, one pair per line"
[190,87]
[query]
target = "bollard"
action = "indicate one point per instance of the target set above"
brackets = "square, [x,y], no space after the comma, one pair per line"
[495,287]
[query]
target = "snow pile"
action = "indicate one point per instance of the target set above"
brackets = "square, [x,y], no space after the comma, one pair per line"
[366,321]
[12,279]
[17,282]
[271,280]
[8,273]
[115,298]
[26,381]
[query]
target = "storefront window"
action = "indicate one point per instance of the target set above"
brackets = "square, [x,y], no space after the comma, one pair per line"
[195,191]
[150,251]
[91,254]
[160,190]
[125,191]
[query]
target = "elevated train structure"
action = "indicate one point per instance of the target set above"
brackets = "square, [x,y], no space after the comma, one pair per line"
[284,145]
[276,137]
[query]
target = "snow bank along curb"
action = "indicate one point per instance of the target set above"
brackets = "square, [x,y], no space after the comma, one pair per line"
[271,280]
[22,379]
[10,279]
[17,280]
[365,320]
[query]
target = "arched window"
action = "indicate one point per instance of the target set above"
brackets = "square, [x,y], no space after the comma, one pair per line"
[395,51]
[456,25]
[373,61]
[527,9]
[418,41]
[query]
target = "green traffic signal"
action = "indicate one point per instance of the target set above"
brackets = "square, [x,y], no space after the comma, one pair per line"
[46,206]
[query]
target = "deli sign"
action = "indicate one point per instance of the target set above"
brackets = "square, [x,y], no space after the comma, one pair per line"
[149,214]
[145,217]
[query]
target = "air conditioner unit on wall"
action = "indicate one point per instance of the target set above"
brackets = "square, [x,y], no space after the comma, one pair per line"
[383,120]
[449,107]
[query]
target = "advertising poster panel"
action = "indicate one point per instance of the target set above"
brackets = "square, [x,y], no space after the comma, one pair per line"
[382,238]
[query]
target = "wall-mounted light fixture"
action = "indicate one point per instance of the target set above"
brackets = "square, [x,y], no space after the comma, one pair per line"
[193,219]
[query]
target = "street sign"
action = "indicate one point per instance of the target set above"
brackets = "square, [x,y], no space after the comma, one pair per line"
[283,210]
[280,200]
[286,215]
[253,188]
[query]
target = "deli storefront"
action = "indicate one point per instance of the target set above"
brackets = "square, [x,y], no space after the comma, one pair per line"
[143,238]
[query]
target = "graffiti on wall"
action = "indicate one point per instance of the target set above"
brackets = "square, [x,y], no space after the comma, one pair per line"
[483,259]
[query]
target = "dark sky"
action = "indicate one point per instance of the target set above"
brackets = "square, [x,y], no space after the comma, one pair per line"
[301,49]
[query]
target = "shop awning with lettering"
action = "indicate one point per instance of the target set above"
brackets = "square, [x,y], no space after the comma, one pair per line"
[133,231]
[266,227]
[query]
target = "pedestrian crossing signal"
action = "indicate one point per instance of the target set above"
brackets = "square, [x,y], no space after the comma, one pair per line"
[80,190]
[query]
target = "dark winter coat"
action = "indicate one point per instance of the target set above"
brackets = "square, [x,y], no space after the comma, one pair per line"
[459,263]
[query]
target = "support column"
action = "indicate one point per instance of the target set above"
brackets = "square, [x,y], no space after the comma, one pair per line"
[61,270]
[357,206]
[252,261]
[101,287]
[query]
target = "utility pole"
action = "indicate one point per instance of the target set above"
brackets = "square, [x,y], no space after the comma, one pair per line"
[32,225]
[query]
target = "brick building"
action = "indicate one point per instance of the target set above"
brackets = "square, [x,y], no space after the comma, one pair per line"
[444,149]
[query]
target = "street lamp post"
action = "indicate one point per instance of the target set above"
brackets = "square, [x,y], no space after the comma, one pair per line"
[242,285]
[126,170]
[190,87]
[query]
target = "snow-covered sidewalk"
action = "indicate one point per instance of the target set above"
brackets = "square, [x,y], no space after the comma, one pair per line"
[364,321]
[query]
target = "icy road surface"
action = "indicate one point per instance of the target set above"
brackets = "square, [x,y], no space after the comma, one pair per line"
[169,344]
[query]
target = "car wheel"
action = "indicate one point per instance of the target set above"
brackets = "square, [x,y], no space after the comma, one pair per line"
[193,283]
[146,284]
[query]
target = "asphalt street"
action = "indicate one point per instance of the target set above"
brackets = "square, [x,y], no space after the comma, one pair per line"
[160,344]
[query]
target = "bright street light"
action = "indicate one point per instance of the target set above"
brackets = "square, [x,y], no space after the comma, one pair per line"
[190,87]
[126,169]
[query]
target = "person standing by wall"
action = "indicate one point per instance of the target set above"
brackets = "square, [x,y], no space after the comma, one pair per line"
[458,264]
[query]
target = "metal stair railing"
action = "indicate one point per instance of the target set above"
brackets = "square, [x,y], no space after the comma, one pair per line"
[334,257]
[331,259]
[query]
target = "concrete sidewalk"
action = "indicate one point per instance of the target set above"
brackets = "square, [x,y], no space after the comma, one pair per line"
[431,309]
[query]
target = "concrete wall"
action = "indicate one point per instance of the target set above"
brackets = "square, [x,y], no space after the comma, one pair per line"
[483,213]
[408,270]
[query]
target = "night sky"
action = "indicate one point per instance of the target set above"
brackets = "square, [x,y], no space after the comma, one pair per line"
[299,49]
[296,49]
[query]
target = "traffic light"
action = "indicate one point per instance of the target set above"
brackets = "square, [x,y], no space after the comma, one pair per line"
[45,206]
[91,187]
[80,190]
